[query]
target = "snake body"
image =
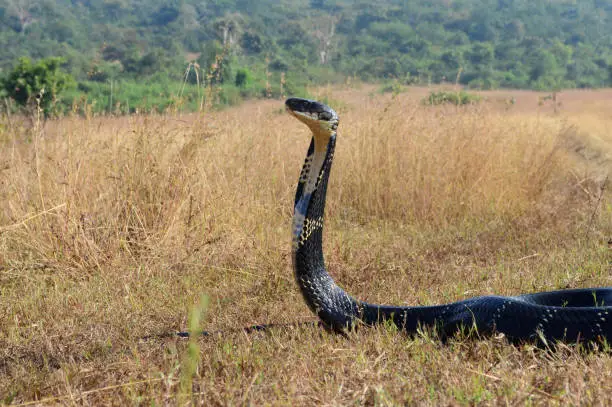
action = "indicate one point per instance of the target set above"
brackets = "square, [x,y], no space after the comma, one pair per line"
[565,315]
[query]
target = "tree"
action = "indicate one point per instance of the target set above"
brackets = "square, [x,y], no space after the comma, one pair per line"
[229,28]
[41,81]
[481,55]
[21,10]
[324,30]
[251,42]
[165,15]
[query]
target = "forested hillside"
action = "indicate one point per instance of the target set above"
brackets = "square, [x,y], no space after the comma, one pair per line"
[492,43]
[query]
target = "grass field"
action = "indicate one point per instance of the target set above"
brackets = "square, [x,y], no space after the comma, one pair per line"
[116,229]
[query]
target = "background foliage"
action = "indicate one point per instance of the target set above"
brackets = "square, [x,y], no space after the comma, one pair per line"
[143,47]
[36,84]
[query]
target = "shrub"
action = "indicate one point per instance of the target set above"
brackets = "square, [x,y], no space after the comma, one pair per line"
[243,77]
[456,98]
[42,81]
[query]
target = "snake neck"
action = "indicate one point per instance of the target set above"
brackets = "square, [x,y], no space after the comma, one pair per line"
[324,297]
[336,308]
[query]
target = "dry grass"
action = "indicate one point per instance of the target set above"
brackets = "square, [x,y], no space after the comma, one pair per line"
[111,229]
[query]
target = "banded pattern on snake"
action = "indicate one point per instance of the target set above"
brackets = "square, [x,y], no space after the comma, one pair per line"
[564,315]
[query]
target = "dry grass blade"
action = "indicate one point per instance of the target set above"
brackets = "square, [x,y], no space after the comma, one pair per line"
[73,398]
[112,228]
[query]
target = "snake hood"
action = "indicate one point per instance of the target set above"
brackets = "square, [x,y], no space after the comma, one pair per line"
[566,315]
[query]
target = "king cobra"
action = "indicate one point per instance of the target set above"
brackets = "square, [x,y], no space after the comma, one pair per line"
[571,315]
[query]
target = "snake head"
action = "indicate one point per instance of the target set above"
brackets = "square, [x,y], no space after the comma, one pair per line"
[319,117]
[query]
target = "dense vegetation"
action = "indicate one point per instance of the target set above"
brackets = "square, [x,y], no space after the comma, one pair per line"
[142,49]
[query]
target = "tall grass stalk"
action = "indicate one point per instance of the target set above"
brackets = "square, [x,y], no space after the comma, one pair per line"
[111,226]
[191,356]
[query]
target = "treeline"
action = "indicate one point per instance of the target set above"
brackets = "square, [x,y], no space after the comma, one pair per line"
[131,54]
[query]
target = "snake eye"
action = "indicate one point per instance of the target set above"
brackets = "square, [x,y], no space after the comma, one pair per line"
[325,116]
